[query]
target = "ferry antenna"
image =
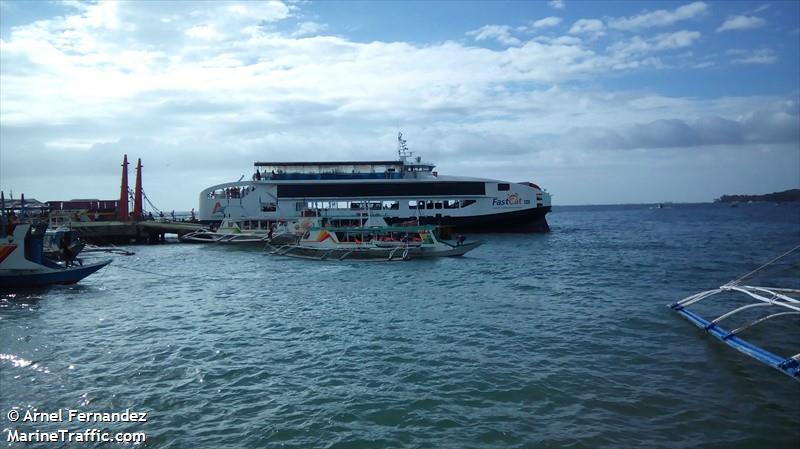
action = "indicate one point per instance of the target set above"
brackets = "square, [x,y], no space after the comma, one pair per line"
[402,147]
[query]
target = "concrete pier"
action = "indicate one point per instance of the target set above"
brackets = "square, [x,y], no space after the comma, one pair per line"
[117,232]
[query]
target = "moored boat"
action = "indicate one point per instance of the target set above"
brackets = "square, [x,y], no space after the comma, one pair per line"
[242,231]
[382,243]
[408,188]
[23,264]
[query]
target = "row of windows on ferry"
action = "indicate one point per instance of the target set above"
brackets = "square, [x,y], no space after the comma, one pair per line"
[385,205]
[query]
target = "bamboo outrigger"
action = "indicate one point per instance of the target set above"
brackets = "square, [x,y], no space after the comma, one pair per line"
[781,302]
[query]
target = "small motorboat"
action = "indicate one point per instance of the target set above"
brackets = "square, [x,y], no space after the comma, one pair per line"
[382,243]
[23,263]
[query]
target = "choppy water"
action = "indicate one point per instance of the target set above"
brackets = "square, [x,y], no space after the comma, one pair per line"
[558,340]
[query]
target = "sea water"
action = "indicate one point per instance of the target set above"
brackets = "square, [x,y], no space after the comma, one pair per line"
[556,340]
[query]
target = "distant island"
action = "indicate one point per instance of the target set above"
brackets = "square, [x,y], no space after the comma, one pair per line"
[786,195]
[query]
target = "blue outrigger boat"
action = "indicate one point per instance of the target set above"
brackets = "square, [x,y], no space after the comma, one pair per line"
[781,302]
[22,260]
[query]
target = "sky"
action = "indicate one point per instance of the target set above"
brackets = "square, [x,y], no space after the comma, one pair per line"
[597,102]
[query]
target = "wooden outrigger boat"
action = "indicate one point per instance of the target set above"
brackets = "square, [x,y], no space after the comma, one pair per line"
[242,231]
[23,264]
[379,243]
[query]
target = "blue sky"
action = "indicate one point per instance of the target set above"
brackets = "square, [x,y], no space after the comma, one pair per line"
[599,102]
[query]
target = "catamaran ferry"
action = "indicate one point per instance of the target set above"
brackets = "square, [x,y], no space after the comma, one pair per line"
[404,190]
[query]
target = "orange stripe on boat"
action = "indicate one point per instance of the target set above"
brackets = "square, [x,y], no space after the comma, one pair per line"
[5,250]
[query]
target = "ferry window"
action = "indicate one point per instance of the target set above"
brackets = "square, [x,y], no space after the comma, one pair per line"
[465,203]
[429,205]
[412,204]
[501,187]
[438,205]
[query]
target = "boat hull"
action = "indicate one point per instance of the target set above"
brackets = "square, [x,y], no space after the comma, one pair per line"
[524,221]
[45,277]
[387,254]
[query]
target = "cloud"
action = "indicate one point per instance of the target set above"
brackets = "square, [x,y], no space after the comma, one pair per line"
[737,23]
[587,26]
[759,56]
[556,4]
[269,11]
[206,32]
[546,22]
[308,28]
[500,33]
[665,41]
[760,127]
[659,18]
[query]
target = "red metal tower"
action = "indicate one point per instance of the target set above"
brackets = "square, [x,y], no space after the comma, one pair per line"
[137,193]
[122,207]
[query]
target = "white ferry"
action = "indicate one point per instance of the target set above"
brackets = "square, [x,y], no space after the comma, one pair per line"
[404,190]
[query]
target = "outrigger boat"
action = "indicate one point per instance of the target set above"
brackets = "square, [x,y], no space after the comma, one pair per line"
[386,243]
[22,261]
[243,231]
[781,302]
[22,257]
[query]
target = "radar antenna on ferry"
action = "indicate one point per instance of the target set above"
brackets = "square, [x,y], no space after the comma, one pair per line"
[402,148]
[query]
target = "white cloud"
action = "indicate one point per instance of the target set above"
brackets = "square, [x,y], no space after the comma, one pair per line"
[665,41]
[500,33]
[547,22]
[741,23]
[556,4]
[759,56]
[269,11]
[308,28]
[678,39]
[587,26]
[659,18]
[207,32]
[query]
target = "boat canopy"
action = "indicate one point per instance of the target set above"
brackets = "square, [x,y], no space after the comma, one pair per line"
[339,170]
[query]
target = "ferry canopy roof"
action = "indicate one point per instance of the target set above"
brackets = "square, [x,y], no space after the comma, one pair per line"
[325,164]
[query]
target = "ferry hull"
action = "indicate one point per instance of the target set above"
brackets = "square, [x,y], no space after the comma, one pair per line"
[523,221]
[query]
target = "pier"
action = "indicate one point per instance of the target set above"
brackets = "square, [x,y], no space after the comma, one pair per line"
[104,222]
[118,232]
